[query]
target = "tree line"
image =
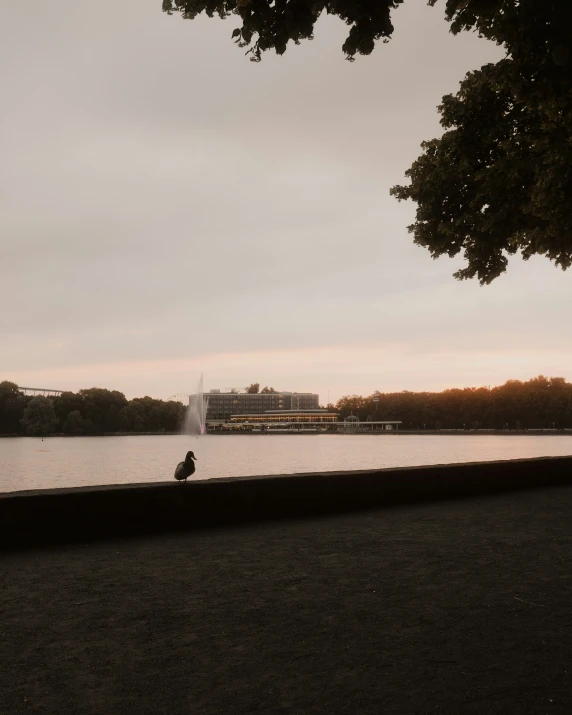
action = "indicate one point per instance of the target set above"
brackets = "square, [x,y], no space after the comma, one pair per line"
[91,411]
[540,403]
[254,389]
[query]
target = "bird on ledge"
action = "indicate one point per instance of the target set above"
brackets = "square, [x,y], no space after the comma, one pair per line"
[185,469]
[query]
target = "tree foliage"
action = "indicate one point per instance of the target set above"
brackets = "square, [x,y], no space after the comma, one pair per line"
[73,423]
[538,403]
[91,411]
[67,403]
[39,417]
[12,405]
[267,390]
[96,403]
[499,180]
[253,389]
[272,24]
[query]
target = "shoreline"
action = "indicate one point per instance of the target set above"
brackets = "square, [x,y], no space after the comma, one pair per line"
[86,513]
[565,432]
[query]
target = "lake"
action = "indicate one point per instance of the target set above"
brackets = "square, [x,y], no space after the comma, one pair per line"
[30,463]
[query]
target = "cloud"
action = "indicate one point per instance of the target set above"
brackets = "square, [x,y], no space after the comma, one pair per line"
[167,207]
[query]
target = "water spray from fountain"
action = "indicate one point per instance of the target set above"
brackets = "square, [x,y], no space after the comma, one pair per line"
[196,415]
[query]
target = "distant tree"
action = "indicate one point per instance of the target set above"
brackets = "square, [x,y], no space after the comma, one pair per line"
[173,416]
[88,426]
[144,414]
[73,423]
[151,413]
[253,389]
[14,411]
[266,390]
[111,418]
[131,418]
[351,405]
[65,403]
[96,404]
[155,419]
[8,390]
[12,405]
[540,402]
[39,417]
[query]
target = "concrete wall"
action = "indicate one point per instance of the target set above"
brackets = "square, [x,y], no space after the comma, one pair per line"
[67,515]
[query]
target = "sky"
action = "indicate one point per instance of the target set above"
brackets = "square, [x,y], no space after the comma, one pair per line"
[168,208]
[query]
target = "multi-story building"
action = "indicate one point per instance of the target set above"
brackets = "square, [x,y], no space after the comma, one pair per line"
[222,405]
[285,417]
[316,420]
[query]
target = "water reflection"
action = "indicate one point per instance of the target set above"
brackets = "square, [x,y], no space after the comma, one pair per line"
[29,463]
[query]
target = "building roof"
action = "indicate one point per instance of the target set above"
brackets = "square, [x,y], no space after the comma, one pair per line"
[259,394]
[290,413]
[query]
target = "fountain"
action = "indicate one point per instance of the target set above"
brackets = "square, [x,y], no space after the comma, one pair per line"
[196,415]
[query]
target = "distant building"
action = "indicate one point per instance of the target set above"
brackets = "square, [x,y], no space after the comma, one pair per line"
[314,416]
[316,420]
[223,405]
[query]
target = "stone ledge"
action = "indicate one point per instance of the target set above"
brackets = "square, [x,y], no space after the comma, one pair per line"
[34,518]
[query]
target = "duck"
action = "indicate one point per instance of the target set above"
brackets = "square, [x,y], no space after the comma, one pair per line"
[185,469]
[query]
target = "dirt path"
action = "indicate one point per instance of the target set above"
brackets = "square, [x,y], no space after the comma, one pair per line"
[459,607]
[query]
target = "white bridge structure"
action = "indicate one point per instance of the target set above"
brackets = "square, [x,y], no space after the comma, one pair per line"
[40,391]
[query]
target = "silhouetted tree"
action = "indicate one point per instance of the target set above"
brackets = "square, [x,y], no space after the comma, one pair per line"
[498,181]
[267,390]
[39,417]
[88,426]
[131,418]
[96,402]
[93,410]
[538,403]
[111,418]
[12,405]
[267,26]
[253,389]
[155,419]
[73,423]
[65,403]
[173,415]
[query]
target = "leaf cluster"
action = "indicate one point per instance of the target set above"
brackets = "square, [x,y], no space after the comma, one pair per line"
[499,180]
[272,24]
[540,403]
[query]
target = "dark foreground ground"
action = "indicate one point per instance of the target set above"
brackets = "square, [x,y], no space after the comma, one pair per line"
[456,607]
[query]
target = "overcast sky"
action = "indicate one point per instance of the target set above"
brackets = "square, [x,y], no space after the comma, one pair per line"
[169,208]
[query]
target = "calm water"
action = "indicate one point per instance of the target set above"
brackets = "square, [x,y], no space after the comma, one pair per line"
[29,463]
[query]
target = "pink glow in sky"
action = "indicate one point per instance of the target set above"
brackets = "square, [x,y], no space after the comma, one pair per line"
[168,208]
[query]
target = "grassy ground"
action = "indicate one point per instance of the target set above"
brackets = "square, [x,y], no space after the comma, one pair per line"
[457,607]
